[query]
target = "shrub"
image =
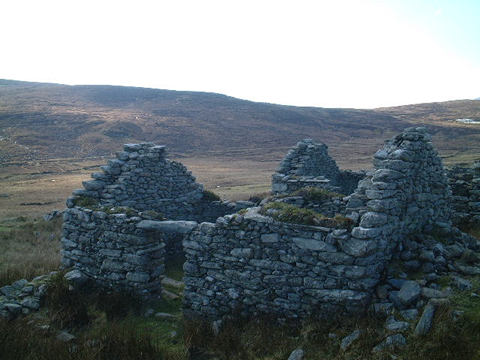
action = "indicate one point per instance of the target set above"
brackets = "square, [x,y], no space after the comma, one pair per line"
[289,213]
[67,307]
[85,201]
[210,196]
[118,304]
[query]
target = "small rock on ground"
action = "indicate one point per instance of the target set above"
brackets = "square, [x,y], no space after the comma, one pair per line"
[348,340]
[165,316]
[409,292]
[296,355]
[65,336]
[392,341]
[172,282]
[425,322]
[169,295]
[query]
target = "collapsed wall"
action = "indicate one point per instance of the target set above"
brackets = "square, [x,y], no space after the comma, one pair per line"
[254,264]
[309,165]
[465,185]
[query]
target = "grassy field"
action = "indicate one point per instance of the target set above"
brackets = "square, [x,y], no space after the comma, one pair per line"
[29,248]
[35,188]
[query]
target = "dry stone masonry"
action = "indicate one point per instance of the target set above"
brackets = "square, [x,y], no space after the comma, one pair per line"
[252,264]
[406,194]
[112,232]
[308,164]
[112,250]
[246,262]
[465,185]
[142,178]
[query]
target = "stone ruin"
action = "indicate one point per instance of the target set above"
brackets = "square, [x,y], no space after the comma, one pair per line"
[465,185]
[108,232]
[308,164]
[249,263]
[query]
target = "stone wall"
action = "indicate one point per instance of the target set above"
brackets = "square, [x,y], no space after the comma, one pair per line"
[142,178]
[407,192]
[113,251]
[465,185]
[253,264]
[308,164]
[110,248]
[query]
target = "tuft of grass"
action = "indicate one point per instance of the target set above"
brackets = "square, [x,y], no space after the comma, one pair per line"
[264,337]
[242,211]
[292,214]
[210,196]
[85,201]
[315,194]
[153,215]
[258,197]
[118,304]
[22,340]
[29,248]
[67,307]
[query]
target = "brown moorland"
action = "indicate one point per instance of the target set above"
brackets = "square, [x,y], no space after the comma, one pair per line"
[53,136]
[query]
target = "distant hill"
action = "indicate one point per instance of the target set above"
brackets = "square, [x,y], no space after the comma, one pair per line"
[39,121]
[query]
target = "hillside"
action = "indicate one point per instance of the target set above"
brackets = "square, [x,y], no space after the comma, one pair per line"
[39,121]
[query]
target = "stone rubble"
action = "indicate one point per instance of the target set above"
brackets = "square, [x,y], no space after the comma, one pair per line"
[23,297]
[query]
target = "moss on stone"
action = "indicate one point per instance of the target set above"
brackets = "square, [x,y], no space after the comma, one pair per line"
[292,214]
[315,194]
[86,201]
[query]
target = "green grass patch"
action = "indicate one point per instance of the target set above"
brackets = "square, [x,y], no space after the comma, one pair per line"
[265,338]
[28,249]
[85,201]
[315,194]
[123,340]
[292,214]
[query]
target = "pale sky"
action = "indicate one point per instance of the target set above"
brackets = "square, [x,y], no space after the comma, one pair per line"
[334,53]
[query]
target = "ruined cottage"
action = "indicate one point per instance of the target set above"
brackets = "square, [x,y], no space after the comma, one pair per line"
[116,233]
